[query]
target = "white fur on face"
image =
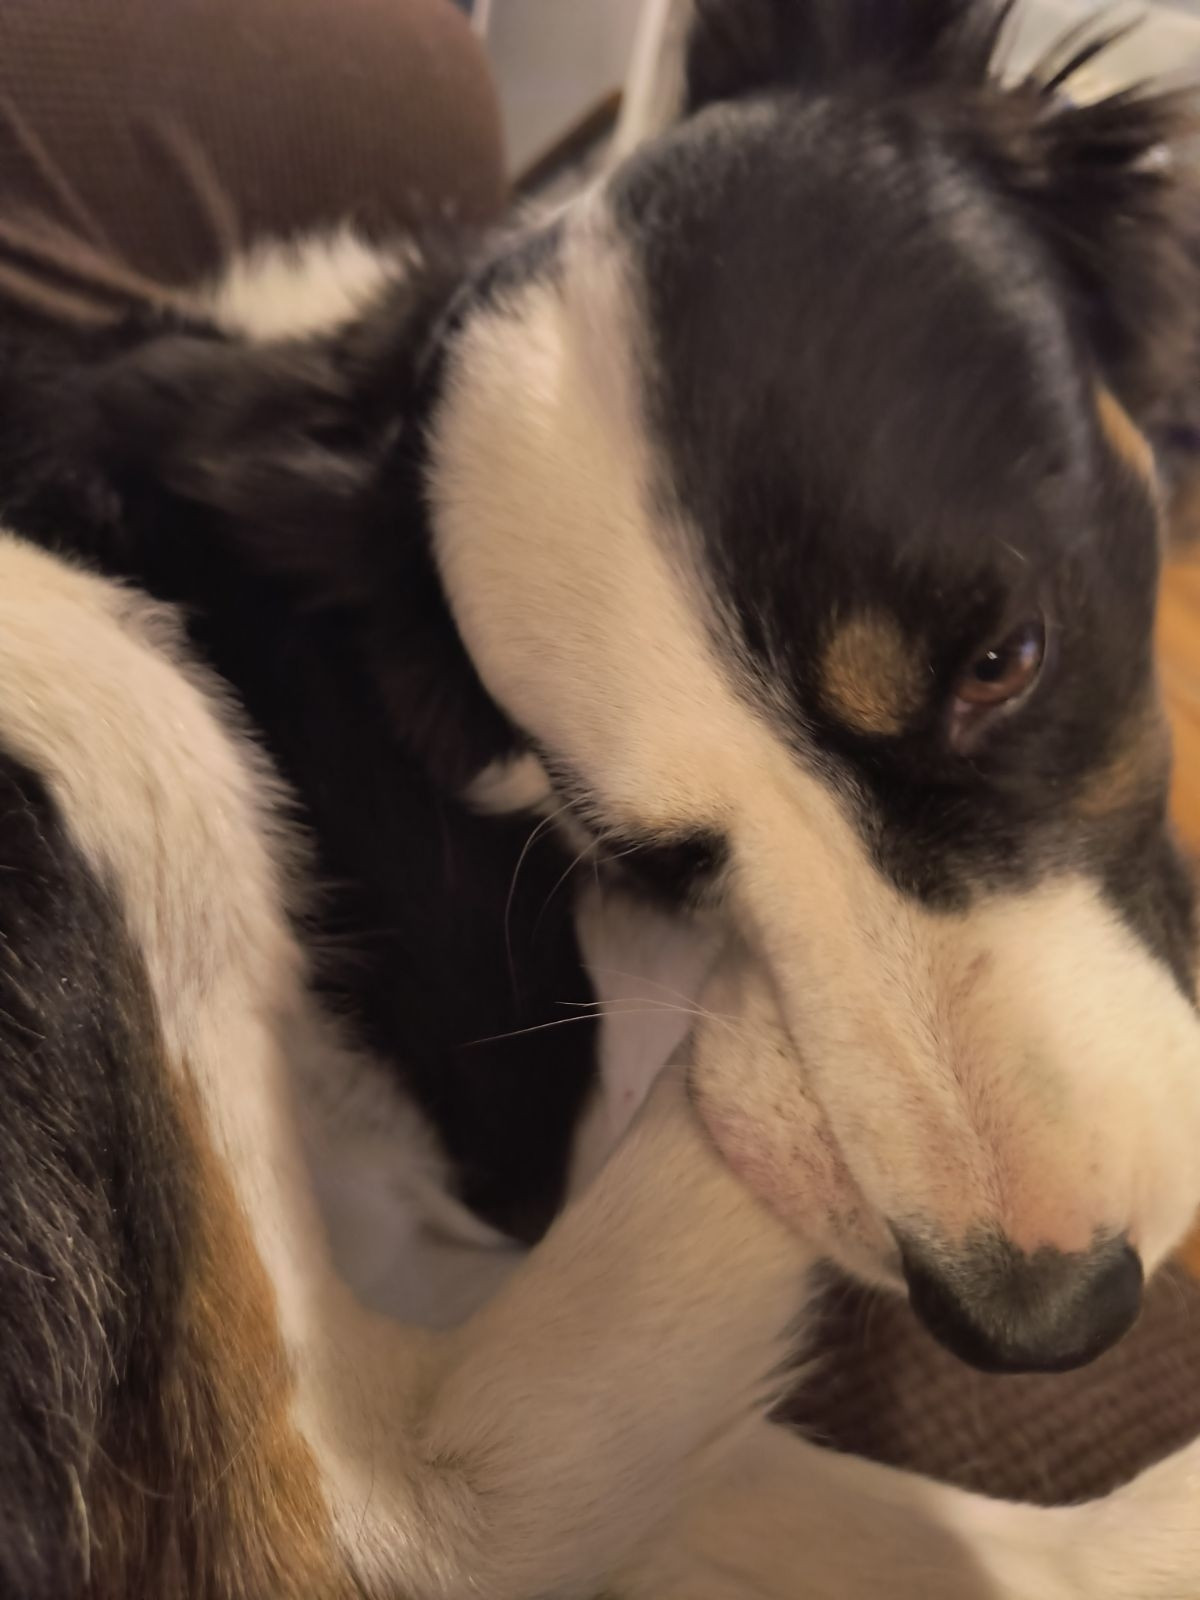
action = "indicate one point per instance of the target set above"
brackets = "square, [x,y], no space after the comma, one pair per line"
[1027,1066]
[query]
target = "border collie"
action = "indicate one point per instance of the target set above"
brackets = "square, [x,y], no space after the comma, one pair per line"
[746,577]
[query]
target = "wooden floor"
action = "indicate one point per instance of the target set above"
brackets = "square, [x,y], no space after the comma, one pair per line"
[1179,656]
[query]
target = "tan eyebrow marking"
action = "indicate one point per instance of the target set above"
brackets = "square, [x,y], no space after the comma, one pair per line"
[1126,438]
[1137,765]
[872,676]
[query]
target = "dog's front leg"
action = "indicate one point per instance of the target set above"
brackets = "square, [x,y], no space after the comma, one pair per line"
[565,1421]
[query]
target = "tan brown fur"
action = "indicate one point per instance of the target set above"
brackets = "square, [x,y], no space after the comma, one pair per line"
[872,675]
[1126,438]
[1135,766]
[1183,510]
[209,1493]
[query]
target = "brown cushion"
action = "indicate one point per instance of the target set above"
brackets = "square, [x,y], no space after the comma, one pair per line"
[148,138]
[882,1388]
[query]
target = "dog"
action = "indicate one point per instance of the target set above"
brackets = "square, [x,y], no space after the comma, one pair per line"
[747,575]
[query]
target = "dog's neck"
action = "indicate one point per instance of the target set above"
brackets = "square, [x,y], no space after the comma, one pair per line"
[425,674]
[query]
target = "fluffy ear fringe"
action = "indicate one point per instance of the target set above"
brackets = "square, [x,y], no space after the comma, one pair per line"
[740,47]
[1106,184]
[1109,187]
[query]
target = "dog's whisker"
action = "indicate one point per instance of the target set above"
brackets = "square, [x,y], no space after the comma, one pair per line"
[643,1003]
[591,848]
[734,1025]
[653,983]
[543,1027]
[689,1001]
[648,1005]
[540,828]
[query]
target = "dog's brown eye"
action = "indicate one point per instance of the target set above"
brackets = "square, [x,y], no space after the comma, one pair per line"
[1001,674]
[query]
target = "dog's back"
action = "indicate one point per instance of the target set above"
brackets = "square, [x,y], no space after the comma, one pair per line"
[91,1239]
[143,1382]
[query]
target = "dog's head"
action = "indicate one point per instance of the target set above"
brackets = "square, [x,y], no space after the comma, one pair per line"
[799,510]
[791,497]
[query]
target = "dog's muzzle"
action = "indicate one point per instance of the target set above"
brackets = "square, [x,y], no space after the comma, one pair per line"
[1003,1310]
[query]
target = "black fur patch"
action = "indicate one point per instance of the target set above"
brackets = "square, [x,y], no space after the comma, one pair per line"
[278,493]
[881,294]
[1098,179]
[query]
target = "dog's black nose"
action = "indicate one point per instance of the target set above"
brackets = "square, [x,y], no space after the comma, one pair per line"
[1001,1310]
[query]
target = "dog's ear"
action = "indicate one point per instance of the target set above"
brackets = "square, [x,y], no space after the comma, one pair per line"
[164,443]
[1110,188]
[272,449]
[743,47]
[267,437]
[199,465]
